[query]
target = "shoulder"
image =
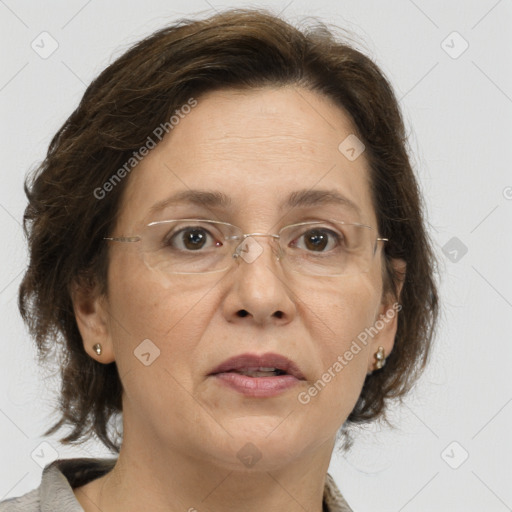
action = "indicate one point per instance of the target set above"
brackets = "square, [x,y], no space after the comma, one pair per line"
[28,503]
[333,499]
[55,491]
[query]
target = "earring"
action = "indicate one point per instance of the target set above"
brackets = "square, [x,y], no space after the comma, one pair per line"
[380,355]
[97,349]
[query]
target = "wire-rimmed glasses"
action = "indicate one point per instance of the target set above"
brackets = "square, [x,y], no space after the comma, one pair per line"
[198,246]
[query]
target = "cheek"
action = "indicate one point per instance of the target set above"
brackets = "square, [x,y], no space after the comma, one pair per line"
[338,316]
[165,322]
[144,307]
[340,309]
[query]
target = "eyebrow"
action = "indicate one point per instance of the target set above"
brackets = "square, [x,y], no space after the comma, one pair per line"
[215,199]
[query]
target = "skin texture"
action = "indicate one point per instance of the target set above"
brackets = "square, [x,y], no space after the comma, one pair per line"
[183,429]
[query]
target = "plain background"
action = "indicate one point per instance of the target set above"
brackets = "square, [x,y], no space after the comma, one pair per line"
[452,447]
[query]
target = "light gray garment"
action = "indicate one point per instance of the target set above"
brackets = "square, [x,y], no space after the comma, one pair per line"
[55,493]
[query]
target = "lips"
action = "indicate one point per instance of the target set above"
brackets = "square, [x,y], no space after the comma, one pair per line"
[256,365]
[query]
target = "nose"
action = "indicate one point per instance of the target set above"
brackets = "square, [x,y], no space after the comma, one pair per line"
[258,287]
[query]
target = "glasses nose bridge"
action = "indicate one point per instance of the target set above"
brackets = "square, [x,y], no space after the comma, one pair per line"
[247,235]
[241,248]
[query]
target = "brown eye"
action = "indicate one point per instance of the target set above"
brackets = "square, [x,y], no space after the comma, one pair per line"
[317,240]
[190,239]
[194,239]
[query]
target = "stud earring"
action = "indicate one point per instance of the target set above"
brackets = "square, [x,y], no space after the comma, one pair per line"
[97,349]
[380,356]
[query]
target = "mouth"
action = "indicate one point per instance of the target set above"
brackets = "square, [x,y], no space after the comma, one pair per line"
[260,366]
[258,376]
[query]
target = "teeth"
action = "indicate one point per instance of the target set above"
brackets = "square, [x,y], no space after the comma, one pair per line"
[258,373]
[259,369]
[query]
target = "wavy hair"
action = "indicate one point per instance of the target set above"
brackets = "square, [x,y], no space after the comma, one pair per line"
[65,221]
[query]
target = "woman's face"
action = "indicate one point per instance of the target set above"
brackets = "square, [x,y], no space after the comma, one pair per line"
[257,148]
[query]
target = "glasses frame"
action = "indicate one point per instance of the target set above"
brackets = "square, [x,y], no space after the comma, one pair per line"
[243,236]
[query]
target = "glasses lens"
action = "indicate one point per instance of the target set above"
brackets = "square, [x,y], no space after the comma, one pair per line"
[188,246]
[328,248]
[318,248]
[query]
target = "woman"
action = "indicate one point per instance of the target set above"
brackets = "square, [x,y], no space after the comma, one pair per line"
[228,239]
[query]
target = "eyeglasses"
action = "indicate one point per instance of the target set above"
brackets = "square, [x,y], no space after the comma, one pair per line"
[198,246]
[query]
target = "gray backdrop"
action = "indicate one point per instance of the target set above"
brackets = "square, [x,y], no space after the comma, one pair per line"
[450,64]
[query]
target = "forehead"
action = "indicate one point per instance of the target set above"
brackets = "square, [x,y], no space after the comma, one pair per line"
[261,153]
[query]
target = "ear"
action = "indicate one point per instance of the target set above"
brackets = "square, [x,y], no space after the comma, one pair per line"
[92,318]
[386,323]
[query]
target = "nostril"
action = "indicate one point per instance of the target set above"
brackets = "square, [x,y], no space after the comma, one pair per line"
[242,313]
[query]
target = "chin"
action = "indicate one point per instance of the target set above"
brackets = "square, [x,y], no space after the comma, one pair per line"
[259,450]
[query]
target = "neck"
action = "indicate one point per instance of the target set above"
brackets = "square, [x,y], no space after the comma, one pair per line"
[147,477]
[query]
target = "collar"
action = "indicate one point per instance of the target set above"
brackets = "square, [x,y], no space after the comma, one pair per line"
[63,475]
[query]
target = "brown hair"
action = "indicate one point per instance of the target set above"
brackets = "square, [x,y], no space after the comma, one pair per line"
[65,221]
